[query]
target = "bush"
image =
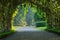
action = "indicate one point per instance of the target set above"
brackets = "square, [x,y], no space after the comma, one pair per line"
[41,24]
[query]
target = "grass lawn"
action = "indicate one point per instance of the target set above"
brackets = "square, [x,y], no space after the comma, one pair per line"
[41,28]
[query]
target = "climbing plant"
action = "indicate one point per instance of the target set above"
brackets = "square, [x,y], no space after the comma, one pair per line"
[50,7]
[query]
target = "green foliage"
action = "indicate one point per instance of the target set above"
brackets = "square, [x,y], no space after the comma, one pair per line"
[4,34]
[54,6]
[54,16]
[42,28]
[53,30]
[51,7]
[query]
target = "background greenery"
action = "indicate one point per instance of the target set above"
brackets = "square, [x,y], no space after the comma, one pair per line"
[50,7]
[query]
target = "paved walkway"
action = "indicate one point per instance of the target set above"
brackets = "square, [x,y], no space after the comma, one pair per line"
[27,28]
[29,33]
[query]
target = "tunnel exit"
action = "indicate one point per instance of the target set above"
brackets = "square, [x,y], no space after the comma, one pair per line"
[29,15]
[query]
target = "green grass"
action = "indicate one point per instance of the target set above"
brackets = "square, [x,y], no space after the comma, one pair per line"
[53,30]
[49,30]
[41,28]
[4,34]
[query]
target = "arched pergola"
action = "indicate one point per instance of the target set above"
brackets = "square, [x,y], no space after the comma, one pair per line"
[7,7]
